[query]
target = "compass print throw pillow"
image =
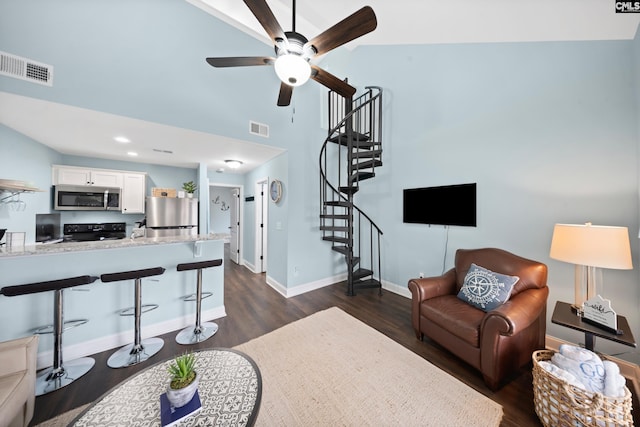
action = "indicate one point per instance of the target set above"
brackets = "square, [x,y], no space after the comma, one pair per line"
[486,289]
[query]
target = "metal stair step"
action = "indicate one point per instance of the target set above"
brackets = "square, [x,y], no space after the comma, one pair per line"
[361,272]
[349,190]
[366,153]
[338,203]
[334,216]
[343,139]
[344,250]
[374,163]
[336,228]
[361,176]
[336,239]
[367,284]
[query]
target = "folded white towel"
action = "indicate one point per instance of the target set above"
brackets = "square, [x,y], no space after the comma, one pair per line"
[614,383]
[589,372]
[577,353]
[561,374]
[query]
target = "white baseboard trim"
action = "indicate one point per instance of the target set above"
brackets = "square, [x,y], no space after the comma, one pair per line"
[305,287]
[250,266]
[396,289]
[87,348]
[629,370]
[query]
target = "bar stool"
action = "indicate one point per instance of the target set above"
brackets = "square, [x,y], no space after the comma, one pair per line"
[201,331]
[60,374]
[140,350]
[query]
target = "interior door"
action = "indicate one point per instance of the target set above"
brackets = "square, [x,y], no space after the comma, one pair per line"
[234,226]
[261,226]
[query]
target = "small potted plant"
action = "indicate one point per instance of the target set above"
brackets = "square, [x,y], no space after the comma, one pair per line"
[184,380]
[190,187]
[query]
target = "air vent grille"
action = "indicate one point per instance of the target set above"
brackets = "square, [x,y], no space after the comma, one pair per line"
[25,69]
[259,129]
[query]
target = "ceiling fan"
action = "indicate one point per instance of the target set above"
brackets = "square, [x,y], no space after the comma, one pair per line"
[294,51]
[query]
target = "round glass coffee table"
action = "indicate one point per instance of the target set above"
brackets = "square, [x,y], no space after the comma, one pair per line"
[230,390]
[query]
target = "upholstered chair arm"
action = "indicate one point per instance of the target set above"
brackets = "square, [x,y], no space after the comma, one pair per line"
[426,288]
[431,287]
[515,315]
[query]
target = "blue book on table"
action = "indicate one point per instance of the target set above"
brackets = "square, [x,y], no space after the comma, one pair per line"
[170,415]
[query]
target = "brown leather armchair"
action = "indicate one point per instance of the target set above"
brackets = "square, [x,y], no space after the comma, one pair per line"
[497,342]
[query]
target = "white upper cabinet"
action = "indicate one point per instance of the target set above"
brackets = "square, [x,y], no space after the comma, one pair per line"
[133,191]
[68,175]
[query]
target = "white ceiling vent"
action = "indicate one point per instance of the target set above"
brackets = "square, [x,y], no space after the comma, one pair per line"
[259,129]
[25,69]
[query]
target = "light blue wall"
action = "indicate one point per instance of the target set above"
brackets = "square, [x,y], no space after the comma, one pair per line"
[220,211]
[547,130]
[25,160]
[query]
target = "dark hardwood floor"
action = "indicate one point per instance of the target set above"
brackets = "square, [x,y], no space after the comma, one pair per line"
[253,309]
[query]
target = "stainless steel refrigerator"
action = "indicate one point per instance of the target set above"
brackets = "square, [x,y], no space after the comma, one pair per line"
[170,216]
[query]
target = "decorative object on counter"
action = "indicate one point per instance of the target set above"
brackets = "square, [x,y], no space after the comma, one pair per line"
[15,240]
[163,192]
[140,350]
[60,374]
[590,248]
[184,380]
[190,187]
[201,331]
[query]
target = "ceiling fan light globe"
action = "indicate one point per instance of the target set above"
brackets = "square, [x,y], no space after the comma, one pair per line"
[292,69]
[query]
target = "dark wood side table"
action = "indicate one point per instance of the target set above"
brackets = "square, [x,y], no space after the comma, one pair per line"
[564,315]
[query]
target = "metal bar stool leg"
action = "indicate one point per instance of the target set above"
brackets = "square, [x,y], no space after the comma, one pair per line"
[200,331]
[60,374]
[140,350]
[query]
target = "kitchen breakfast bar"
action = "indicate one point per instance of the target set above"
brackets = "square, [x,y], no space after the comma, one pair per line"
[100,303]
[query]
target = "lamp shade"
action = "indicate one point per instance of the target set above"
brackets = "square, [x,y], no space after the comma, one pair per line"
[592,245]
[292,69]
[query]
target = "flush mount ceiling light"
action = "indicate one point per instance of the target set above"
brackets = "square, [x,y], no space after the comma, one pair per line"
[122,139]
[233,164]
[132,153]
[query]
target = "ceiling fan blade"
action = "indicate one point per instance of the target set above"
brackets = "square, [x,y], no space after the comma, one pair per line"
[284,98]
[240,61]
[358,24]
[267,19]
[332,82]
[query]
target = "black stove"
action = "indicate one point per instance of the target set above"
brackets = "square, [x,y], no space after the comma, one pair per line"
[92,232]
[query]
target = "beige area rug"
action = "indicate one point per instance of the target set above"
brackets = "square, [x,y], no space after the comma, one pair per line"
[332,369]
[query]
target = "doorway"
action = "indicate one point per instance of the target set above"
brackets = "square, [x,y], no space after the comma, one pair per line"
[225,216]
[261,225]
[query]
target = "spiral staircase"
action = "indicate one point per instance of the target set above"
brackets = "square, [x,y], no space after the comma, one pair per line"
[350,155]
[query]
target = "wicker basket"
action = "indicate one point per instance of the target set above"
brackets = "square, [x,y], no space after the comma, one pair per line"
[163,192]
[559,404]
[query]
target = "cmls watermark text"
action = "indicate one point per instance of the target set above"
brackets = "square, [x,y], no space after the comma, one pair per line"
[628,7]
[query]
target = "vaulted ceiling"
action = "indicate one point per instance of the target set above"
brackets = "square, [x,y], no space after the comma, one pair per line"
[400,22]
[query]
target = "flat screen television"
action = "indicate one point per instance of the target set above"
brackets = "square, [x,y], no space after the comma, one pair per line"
[444,205]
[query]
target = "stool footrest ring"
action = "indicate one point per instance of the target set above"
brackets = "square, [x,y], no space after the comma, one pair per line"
[69,324]
[192,297]
[132,310]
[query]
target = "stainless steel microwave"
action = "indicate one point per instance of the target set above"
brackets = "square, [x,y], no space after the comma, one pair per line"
[86,198]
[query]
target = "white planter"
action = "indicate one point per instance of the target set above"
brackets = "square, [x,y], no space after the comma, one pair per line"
[182,396]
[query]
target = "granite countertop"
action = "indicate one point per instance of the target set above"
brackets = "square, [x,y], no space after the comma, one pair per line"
[63,247]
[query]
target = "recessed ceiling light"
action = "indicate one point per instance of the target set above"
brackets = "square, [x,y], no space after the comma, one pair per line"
[122,139]
[233,164]
[132,153]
